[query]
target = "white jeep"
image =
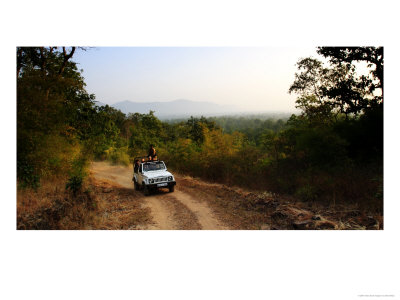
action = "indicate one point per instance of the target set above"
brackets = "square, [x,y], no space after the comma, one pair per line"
[151,175]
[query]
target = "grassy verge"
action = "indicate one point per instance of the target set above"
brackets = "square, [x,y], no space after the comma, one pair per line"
[98,205]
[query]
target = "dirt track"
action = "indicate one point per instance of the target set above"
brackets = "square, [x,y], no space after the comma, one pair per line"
[197,204]
[178,210]
[109,202]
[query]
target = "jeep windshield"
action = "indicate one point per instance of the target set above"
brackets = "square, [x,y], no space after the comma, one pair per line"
[153,166]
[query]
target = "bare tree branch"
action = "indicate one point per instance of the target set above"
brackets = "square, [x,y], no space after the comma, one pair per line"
[66,58]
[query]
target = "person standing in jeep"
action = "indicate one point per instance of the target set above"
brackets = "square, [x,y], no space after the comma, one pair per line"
[136,166]
[152,153]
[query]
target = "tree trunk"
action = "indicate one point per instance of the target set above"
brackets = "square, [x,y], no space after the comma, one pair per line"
[66,58]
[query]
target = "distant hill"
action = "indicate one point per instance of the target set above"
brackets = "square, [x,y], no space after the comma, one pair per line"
[177,108]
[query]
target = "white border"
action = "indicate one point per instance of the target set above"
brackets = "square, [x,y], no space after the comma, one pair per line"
[190,264]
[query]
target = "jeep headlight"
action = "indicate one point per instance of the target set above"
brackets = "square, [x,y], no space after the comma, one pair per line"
[170,178]
[151,180]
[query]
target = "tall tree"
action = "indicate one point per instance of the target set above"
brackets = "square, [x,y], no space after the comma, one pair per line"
[50,96]
[338,87]
[373,56]
[349,57]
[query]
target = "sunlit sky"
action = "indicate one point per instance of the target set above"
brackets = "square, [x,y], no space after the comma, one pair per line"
[252,79]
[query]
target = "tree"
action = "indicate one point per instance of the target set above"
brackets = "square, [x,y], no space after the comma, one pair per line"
[146,129]
[371,84]
[198,127]
[373,56]
[338,88]
[54,112]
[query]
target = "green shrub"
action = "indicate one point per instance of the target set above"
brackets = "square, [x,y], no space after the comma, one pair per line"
[27,176]
[118,156]
[307,193]
[77,175]
[74,183]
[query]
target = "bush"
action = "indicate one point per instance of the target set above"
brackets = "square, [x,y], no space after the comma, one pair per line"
[74,183]
[307,193]
[118,156]
[322,147]
[77,175]
[27,175]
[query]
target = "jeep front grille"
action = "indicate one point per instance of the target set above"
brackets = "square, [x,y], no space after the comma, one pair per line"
[160,179]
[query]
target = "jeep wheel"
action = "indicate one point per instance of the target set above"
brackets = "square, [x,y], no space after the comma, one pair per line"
[146,190]
[171,188]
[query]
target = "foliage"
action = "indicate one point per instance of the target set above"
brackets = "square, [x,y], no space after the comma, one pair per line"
[339,88]
[77,175]
[118,156]
[27,175]
[57,120]
[373,56]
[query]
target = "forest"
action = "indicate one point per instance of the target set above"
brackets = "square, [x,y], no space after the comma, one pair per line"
[331,152]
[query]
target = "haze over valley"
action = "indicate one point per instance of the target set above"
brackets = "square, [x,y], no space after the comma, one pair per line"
[183,108]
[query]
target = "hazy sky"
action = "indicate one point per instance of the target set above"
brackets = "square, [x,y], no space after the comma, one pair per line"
[249,78]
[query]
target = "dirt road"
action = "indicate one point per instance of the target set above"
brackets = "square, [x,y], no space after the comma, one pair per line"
[109,202]
[177,210]
[197,204]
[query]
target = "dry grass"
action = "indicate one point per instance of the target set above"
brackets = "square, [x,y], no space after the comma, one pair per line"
[100,206]
[262,210]
[118,208]
[29,200]
[52,207]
